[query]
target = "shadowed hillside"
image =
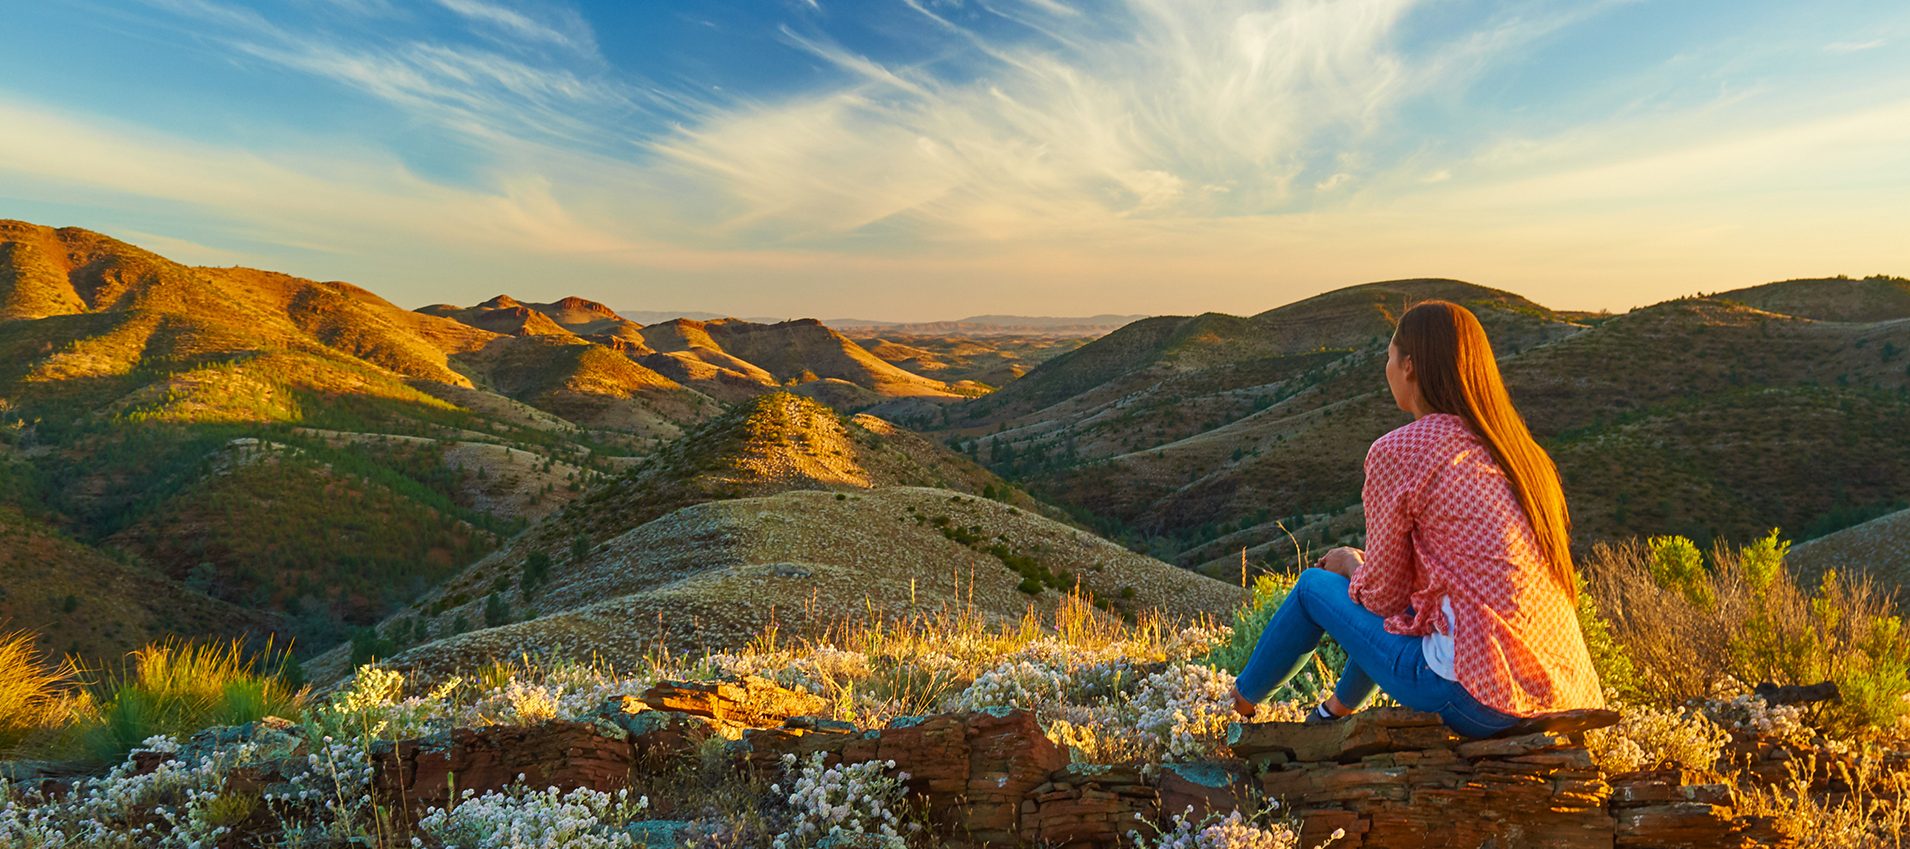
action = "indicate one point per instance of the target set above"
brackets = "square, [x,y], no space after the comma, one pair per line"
[1200,437]
[1831,299]
[89,605]
[1878,549]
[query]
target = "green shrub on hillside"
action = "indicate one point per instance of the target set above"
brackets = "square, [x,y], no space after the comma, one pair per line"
[1762,562]
[1676,564]
[1609,658]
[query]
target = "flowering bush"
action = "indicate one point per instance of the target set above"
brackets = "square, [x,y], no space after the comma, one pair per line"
[1733,708]
[179,803]
[374,707]
[533,819]
[329,795]
[1015,683]
[840,801]
[819,669]
[1183,710]
[1646,737]
[1233,831]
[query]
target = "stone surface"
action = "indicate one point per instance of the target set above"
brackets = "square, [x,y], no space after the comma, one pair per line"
[1365,733]
[1564,722]
[1088,805]
[565,755]
[747,701]
[1402,779]
[1382,779]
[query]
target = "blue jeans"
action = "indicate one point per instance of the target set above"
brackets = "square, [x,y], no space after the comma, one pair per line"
[1375,658]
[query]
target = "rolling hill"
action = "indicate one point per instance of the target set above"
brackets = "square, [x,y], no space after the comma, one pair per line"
[1197,437]
[1878,549]
[968,362]
[702,524]
[1876,298]
[87,604]
[727,359]
[284,450]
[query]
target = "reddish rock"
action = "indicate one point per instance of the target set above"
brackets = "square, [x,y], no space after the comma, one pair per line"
[1367,733]
[1398,779]
[566,755]
[1384,779]
[1089,805]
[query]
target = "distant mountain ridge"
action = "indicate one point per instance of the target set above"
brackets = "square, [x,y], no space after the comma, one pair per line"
[974,325]
[992,325]
[727,359]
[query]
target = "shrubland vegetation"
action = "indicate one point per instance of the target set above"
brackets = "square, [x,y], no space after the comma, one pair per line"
[1689,622]
[1678,633]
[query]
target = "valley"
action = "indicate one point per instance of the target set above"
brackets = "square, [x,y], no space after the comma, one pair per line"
[224,451]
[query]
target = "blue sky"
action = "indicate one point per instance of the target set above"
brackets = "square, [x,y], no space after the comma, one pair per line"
[922,159]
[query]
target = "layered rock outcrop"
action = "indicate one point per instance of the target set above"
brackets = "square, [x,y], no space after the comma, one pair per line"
[1384,779]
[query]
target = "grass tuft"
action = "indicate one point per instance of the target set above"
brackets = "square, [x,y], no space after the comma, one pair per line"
[36,692]
[177,688]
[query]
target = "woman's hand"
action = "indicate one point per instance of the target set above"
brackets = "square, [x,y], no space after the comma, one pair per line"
[1341,561]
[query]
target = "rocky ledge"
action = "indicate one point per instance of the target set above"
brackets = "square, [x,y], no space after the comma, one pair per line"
[1381,779]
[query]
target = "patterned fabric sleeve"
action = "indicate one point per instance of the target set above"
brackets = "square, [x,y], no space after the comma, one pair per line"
[1384,583]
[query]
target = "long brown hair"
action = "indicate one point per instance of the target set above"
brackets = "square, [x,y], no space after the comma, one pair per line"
[1458,375]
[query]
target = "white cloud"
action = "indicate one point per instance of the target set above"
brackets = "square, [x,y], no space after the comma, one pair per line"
[455,83]
[1853,46]
[562,27]
[1336,180]
[1060,135]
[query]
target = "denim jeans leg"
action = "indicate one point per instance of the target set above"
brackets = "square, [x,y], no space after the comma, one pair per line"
[1289,637]
[1395,663]
[1355,686]
[1318,605]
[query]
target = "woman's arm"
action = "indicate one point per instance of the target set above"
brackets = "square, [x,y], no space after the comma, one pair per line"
[1384,582]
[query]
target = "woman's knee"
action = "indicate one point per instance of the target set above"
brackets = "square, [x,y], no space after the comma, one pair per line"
[1319,582]
[1317,588]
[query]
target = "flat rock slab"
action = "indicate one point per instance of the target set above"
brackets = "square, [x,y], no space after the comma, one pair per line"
[1368,732]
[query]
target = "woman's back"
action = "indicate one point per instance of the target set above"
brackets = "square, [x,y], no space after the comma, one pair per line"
[1444,522]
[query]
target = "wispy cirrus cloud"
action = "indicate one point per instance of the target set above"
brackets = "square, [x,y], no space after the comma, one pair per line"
[1177,109]
[559,26]
[1854,46]
[548,87]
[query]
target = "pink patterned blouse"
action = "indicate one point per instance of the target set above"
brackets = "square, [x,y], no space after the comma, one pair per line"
[1442,520]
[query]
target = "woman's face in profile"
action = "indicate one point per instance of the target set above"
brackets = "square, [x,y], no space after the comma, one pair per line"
[1399,377]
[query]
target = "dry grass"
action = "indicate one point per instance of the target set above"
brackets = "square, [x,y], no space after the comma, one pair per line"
[36,693]
[1869,814]
[1725,622]
[177,688]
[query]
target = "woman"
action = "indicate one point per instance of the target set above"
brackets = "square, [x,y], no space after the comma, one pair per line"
[1463,603]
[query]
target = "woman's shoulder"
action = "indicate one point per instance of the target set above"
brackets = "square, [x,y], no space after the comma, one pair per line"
[1424,434]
